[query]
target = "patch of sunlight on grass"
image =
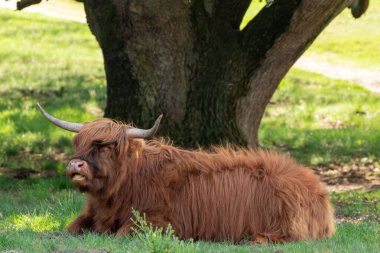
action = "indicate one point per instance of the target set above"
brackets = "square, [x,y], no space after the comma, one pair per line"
[76,113]
[8,127]
[36,223]
[317,159]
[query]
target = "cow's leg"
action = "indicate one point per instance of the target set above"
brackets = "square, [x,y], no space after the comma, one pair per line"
[125,229]
[81,224]
[155,221]
[262,238]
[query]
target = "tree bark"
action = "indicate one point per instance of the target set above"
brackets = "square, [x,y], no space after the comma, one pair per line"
[188,60]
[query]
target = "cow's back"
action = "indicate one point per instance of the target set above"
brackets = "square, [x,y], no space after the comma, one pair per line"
[249,193]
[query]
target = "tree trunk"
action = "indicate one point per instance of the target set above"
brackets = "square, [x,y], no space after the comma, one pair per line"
[188,60]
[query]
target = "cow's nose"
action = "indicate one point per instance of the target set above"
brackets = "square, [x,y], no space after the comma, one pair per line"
[75,166]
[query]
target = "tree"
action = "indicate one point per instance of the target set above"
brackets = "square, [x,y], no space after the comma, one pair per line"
[189,60]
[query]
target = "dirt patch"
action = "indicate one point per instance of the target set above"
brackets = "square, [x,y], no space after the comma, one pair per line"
[341,219]
[44,94]
[38,165]
[368,79]
[28,173]
[357,175]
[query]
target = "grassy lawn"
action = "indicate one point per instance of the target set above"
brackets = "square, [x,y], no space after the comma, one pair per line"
[346,41]
[320,120]
[35,211]
[58,63]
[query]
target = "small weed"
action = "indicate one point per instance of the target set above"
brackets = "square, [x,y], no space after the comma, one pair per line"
[157,240]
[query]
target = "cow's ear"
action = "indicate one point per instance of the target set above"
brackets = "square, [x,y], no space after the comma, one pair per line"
[121,145]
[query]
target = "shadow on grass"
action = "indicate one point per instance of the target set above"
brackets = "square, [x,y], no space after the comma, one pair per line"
[27,132]
[324,146]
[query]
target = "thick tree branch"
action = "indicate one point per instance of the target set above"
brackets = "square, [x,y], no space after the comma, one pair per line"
[26,3]
[306,22]
[271,22]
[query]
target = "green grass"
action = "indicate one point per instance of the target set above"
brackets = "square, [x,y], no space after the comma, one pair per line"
[320,120]
[346,41]
[349,238]
[55,62]
[358,205]
[33,213]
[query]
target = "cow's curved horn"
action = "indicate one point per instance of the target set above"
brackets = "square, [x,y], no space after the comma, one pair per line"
[73,127]
[142,133]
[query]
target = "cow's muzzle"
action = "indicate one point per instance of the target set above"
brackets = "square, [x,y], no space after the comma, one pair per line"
[76,169]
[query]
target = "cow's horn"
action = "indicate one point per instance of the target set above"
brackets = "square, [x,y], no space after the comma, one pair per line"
[142,133]
[73,127]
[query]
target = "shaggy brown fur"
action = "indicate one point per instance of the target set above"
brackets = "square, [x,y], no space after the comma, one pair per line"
[222,195]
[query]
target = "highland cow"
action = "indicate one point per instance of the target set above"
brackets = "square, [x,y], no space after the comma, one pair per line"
[224,194]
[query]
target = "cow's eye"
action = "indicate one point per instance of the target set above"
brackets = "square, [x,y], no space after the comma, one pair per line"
[101,144]
[97,143]
[105,149]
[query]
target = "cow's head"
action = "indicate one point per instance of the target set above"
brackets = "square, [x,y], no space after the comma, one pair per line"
[100,148]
